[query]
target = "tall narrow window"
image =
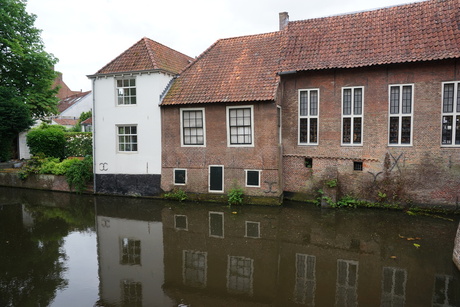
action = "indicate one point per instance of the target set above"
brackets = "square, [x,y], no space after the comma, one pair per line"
[240,126]
[305,279]
[193,127]
[194,268]
[352,116]
[401,110]
[240,275]
[451,114]
[126,91]
[445,291]
[393,287]
[127,138]
[347,283]
[308,116]
[131,293]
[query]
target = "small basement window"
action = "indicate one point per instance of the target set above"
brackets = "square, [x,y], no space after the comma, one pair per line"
[180,176]
[357,165]
[308,162]
[252,178]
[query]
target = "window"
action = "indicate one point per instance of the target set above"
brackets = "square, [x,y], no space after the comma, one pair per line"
[216,224]
[305,279]
[126,91]
[130,251]
[445,291]
[352,116]
[180,222]
[216,179]
[240,126]
[393,287]
[252,178]
[240,275]
[193,127]
[400,126]
[127,138]
[131,293]
[357,165]
[347,283]
[252,229]
[180,176]
[308,116]
[308,162]
[451,114]
[194,268]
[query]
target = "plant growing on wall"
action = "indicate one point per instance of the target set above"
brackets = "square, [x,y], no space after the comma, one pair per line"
[235,196]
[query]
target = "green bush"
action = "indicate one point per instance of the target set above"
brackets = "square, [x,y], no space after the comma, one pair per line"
[47,139]
[53,166]
[79,144]
[80,173]
[235,196]
[178,195]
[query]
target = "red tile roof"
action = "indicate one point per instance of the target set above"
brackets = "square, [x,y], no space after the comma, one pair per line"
[231,70]
[65,121]
[69,101]
[88,121]
[147,54]
[423,31]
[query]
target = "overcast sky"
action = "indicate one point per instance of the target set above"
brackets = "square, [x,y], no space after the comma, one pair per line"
[87,34]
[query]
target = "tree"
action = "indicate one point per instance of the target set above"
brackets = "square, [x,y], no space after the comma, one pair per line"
[26,70]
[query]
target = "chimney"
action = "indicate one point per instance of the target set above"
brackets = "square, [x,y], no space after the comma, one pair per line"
[284,20]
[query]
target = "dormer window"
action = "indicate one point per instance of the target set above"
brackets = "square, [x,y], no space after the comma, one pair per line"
[126,91]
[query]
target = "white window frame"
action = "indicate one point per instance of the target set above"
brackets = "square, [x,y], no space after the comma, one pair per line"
[352,116]
[118,139]
[123,88]
[174,176]
[223,224]
[246,229]
[455,114]
[229,144]
[182,142]
[246,178]
[349,290]
[175,222]
[200,272]
[240,279]
[308,116]
[400,115]
[305,279]
[391,296]
[280,124]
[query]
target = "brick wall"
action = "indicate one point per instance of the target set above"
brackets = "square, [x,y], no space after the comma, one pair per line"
[424,173]
[263,156]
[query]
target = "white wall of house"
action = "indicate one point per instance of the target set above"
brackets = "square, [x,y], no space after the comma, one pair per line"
[83,105]
[145,114]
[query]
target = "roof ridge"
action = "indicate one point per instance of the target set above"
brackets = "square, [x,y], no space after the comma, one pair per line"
[119,56]
[150,51]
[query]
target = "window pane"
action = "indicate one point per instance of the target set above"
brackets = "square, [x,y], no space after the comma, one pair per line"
[357,130]
[346,138]
[303,105]
[252,178]
[405,130]
[394,100]
[193,132]
[240,126]
[347,102]
[313,130]
[303,135]
[457,131]
[314,103]
[358,102]
[407,100]
[458,98]
[179,176]
[447,130]
[394,130]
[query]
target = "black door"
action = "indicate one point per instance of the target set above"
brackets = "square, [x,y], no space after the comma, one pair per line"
[216,178]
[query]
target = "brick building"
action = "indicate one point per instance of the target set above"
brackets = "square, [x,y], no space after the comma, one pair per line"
[372,100]
[219,120]
[369,99]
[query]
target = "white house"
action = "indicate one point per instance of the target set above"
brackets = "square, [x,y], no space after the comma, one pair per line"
[127,119]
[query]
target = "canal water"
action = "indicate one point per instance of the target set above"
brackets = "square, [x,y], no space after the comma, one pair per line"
[59,249]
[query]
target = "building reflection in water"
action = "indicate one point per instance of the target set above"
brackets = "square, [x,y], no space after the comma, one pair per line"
[206,255]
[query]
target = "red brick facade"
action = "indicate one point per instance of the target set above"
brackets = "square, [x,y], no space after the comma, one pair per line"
[424,172]
[263,156]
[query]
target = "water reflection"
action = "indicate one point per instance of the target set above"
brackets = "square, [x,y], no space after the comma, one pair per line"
[155,253]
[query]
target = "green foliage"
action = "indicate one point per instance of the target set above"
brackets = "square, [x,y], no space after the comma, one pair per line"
[235,196]
[80,173]
[176,194]
[26,70]
[332,183]
[33,166]
[14,118]
[79,144]
[47,139]
[54,167]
